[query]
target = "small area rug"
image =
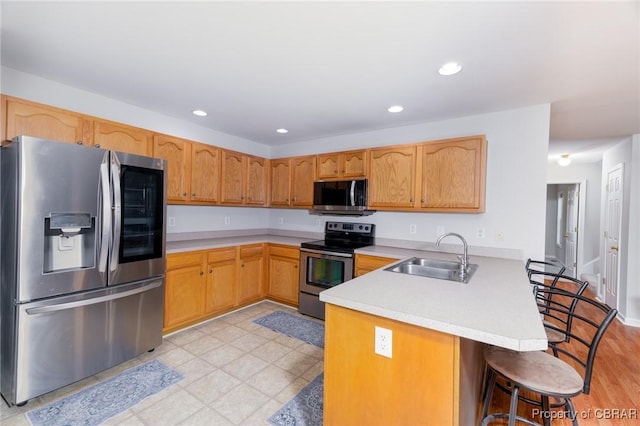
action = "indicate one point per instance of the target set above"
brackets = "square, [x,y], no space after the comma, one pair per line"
[294,326]
[97,403]
[304,409]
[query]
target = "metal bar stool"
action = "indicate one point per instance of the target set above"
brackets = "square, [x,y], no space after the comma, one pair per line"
[542,266]
[544,374]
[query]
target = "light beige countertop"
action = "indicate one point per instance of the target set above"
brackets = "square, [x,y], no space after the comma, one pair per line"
[496,306]
[177,243]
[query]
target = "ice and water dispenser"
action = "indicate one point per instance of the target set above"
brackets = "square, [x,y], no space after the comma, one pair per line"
[69,241]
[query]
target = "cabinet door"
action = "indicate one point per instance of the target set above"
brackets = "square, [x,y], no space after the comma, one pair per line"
[251,275]
[366,263]
[284,274]
[177,152]
[302,176]
[392,177]
[184,289]
[233,164]
[354,164]
[205,173]
[280,182]
[31,119]
[256,190]
[221,279]
[122,138]
[453,176]
[328,166]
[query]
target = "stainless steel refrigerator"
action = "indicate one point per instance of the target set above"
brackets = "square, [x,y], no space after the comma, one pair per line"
[83,262]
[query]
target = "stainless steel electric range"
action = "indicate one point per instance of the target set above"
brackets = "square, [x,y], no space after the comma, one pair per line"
[330,262]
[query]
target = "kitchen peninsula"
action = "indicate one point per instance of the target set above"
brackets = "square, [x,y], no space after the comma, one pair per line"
[438,331]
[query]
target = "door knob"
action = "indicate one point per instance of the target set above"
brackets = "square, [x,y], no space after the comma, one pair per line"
[614,248]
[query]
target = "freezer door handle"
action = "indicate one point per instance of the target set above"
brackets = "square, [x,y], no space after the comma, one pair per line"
[92,301]
[106,215]
[117,211]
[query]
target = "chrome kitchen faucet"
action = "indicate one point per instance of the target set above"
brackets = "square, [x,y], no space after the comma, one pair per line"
[464,259]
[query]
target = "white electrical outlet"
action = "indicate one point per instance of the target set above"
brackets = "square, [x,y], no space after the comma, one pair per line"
[499,236]
[413,228]
[439,230]
[480,233]
[383,343]
[172,221]
[227,220]
[281,220]
[318,222]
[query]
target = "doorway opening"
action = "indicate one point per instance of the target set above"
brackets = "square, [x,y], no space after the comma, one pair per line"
[564,216]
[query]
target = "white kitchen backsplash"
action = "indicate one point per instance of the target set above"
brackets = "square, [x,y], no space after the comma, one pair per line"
[214,218]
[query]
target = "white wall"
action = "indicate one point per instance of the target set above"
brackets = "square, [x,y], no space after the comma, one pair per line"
[516,167]
[627,153]
[33,88]
[516,180]
[212,218]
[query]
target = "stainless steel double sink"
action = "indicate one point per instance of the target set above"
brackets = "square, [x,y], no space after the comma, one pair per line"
[433,268]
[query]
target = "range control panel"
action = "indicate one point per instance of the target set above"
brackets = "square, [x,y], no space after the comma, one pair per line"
[348,227]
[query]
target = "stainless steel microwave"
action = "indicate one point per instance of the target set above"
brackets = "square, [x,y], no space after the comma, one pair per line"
[341,197]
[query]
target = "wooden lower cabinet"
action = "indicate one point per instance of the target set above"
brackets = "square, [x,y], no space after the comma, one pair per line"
[251,274]
[366,263]
[184,289]
[221,279]
[433,378]
[284,274]
[205,283]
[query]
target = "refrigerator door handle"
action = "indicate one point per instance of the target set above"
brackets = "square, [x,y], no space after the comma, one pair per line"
[100,299]
[106,215]
[117,211]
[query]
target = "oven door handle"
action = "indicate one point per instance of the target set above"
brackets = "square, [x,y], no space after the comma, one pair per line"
[326,253]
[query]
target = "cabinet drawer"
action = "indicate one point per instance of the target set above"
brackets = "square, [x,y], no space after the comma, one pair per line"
[181,260]
[284,251]
[251,251]
[218,255]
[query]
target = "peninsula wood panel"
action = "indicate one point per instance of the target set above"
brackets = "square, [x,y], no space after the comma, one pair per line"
[177,152]
[41,121]
[419,385]
[205,173]
[453,174]
[117,137]
[392,177]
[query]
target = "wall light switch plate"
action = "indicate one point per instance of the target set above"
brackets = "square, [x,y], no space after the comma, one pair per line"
[227,220]
[413,228]
[172,221]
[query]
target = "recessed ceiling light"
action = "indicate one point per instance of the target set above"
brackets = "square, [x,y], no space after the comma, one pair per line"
[199,113]
[450,68]
[395,108]
[564,160]
[283,131]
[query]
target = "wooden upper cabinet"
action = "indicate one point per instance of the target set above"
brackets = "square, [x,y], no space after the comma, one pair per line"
[41,121]
[392,177]
[122,138]
[205,173]
[177,152]
[233,170]
[280,182]
[338,165]
[302,177]
[256,180]
[453,174]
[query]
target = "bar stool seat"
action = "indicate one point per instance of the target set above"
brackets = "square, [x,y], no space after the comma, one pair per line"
[538,371]
[553,335]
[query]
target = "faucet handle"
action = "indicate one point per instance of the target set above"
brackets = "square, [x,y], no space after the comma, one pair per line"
[464,260]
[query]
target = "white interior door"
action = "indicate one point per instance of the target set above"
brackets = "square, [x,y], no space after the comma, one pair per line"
[571,231]
[612,235]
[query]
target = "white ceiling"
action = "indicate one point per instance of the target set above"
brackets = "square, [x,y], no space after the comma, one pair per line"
[330,68]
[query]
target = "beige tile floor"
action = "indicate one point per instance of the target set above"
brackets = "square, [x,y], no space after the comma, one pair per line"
[236,373]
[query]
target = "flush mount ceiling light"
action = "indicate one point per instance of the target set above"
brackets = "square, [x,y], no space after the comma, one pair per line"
[199,113]
[564,160]
[282,130]
[450,68]
[395,108]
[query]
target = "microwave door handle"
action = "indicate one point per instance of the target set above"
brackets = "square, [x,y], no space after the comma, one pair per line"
[106,215]
[117,211]
[352,193]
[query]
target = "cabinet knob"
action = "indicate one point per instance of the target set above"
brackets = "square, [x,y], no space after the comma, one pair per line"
[201,273]
[193,194]
[211,271]
[411,200]
[335,171]
[242,266]
[96,145]
[422,200]
[295,266]
[286,199]
[184,194]
[82,143]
